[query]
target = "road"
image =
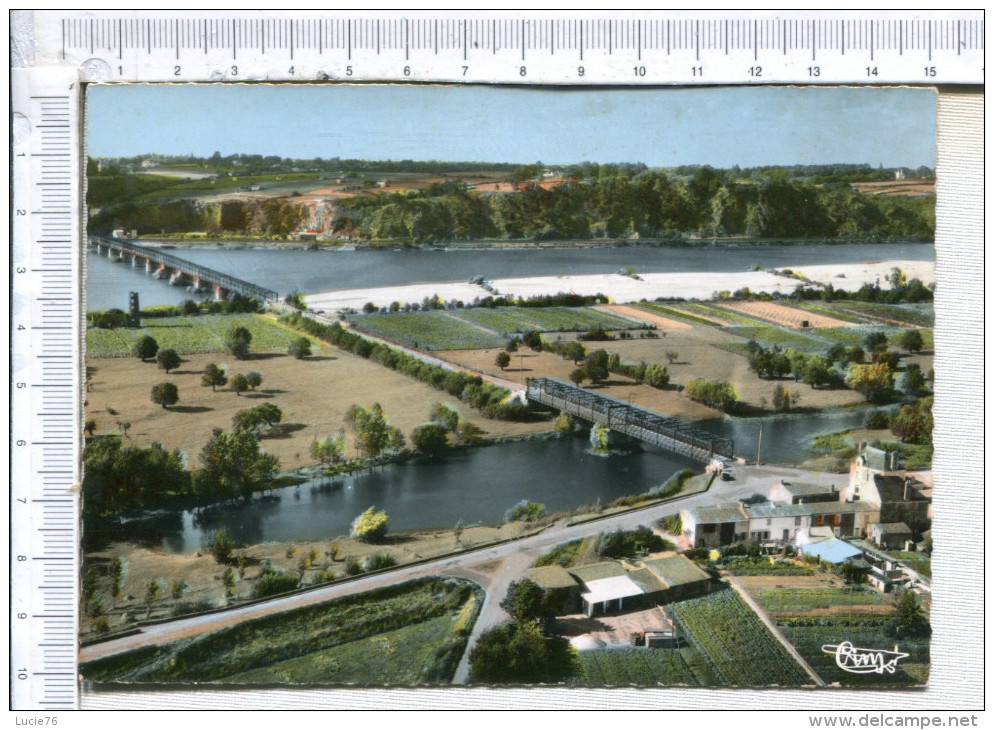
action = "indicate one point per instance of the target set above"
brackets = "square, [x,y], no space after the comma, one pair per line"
[517,557]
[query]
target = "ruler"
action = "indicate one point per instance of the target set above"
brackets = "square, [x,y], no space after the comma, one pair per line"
[631,47]
[54,52]
[45,393]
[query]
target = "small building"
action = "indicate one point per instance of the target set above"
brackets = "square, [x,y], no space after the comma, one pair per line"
[681,577]
[890,534]
[832,550]
[803,493]
[715,525]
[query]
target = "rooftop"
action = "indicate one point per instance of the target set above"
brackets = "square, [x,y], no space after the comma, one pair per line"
[598,571]
[551,577]
[777,509]
[675,569]
[610,589]
[713,513]
[807,489]
[892,488]
[832,550]
[892,528]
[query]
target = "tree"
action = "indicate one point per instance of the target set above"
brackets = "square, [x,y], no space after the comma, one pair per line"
[502,360]
[911,341]
[165,394]
[512,345]
[168,360]
[118,479]
[672,356]
[370,526]
[817,371]
[146,347]
[597,366]
[233,465]
[300,348]
[372,432]
[239,383]
[913,381]
[431,439]
[220,545]
[873,339]
[577,376]
[251,419]
[781,398]
[910,619]
[520,652]
[213,376]
[329,450]
[525,511]
[90,427]
[657,376]
[631,543]
[445,416]
[525,600]
[238,341]
[715,393]
[873,381]
[254,378]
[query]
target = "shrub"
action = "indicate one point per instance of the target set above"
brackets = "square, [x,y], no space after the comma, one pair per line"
[715,393]
[631,543]
[370,526]
[379,561]
[525,511]
[272,583]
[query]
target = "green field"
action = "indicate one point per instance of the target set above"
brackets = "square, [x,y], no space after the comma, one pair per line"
[827,311]
[428,330]
[763,566]
[767,335]
[720,313]
[734,643]
[918,315]
[506,320]
[412,633]
[643,667]
[188,335]
[868,634]
[801,600]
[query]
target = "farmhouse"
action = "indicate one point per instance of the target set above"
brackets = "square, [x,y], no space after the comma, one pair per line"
[898,498]
[890,534]
[613,585]
[803,492]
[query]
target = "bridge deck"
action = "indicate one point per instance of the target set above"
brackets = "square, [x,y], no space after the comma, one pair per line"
[231,283]
[640,423]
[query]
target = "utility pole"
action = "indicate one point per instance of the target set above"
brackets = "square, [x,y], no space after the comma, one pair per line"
[759,447]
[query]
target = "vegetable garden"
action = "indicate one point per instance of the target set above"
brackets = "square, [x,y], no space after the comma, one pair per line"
[646,667]
[736,645]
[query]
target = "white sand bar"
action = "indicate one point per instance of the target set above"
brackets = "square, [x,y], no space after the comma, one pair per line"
[622,289]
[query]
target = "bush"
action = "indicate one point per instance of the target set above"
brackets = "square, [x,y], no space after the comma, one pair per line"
[272,583]
[370,526]
[300,348]
[379,561]
[715,393]
[632,543]
[146,347]
[525,511]
[220,545]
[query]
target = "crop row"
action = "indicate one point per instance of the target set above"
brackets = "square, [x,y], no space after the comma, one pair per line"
[427,330]
[187,335]
[737,646]
[642,667]
[919,315]
[675,313]
[779,600]
[809,640]
[546,319]
[769,335]
[827,311]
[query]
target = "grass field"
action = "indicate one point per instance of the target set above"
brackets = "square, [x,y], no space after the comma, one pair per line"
[767,335]
[734,643]
[428,330]
[827,311]
[505,320]
[646,667]
[411,633]
[188,335]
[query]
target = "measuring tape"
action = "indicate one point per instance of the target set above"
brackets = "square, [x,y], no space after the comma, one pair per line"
[55,51]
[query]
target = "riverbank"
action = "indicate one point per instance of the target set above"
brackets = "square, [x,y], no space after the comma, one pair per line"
[621,288]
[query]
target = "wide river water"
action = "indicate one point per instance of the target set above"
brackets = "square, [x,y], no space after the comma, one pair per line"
[478,485]
[285,271]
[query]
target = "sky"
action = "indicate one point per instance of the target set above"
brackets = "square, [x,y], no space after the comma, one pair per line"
[721,126]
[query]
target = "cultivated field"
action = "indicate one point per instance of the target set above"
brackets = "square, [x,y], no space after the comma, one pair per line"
[914,186]
[416,633]
[641,667]
[734,642]
[819,609]
[203,333]
[782,315]
[644,314]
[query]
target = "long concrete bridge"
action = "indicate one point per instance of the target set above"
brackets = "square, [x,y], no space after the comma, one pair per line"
[178,271]
[645,425]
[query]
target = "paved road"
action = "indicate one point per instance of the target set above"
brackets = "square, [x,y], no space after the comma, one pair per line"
[517,556]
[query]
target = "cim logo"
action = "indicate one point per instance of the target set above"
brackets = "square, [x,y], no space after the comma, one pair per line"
[864,661]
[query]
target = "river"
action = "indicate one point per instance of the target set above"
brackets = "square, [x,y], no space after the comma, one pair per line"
[476,485]
[285,270]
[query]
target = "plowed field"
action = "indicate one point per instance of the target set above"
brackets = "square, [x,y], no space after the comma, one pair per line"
[783,315]
[663,323]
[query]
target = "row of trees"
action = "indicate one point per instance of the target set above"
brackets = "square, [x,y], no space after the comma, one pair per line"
[650,203]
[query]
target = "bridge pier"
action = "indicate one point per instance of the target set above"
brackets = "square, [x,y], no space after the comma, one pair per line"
[178,278]
[220,293]
[148,266]
[159,273]
[134,261]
